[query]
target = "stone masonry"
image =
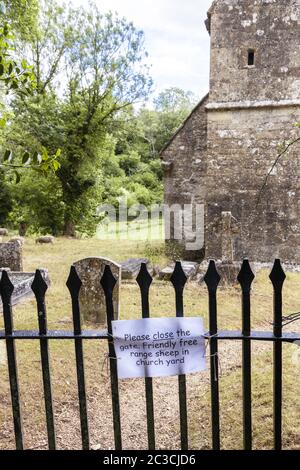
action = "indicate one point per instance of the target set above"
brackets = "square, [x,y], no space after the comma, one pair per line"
[11,256]
[185,162]
[221,155]
[92,298]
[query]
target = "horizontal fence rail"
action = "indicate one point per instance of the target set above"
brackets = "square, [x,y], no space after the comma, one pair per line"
[214,335]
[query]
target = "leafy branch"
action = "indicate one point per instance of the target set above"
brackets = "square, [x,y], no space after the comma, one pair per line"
[19,78]
[41,162]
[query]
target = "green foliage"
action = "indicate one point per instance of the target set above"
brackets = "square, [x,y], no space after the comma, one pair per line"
[172,105]
[103,59]
[16,75]
[149,131]
[5,199]
[40,162]
[19,79]
[147,179]
[141,194]
[107,149]
[21,15]
[156,168]
[37,202]
[130,163]
[138,139]
[174,100]
[128,176]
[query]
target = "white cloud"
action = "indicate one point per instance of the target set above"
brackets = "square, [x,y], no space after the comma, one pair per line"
[176,39]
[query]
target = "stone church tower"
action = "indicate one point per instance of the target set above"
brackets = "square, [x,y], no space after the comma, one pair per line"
[222,153]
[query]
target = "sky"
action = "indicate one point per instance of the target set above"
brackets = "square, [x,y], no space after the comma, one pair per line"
[176,39]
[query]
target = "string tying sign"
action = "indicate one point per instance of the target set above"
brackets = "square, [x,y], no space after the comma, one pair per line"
[159,347]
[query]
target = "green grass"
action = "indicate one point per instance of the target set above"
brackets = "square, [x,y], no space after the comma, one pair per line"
[143,230]
[57,259]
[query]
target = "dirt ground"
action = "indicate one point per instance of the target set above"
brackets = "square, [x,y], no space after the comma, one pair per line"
[58,259]
[133,412]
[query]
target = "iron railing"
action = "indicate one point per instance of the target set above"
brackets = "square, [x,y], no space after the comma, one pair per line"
[144,280]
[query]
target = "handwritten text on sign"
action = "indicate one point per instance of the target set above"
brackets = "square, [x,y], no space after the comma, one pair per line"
[158,347]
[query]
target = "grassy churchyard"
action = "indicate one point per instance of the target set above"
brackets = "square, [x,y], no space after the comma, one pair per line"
[57,258]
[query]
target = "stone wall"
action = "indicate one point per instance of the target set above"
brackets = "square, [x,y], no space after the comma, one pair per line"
[242,146]
[184,162]
[224,151]
[251,111]
[271,28]
[11,256]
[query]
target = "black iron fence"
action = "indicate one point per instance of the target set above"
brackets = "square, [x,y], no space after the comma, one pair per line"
[144,280]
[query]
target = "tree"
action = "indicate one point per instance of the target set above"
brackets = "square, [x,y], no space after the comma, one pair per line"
[147,131]
[173,105]
[102,59]
[5,199]
[21,15]
[134,170]
[174,100]
[17,78]
[36,204]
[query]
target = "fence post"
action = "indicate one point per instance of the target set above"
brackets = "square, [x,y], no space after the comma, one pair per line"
[144,281]
[245,278]
[108,283]
[212,280]
[74,285]
[39,288]
[277,278]
[179,279]
[6,290]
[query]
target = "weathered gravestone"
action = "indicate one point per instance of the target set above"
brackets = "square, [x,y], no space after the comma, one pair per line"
[11,256]
[228,268]
[190,269]
[131,267]
[92,299]
[11,261]
[22,284]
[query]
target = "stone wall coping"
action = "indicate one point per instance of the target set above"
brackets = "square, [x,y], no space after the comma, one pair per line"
[251,104]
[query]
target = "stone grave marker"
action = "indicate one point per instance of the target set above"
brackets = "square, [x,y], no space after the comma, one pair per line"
[228,268]
[22,284]
[131,267]
[190,269]
[11,256]
[92,299]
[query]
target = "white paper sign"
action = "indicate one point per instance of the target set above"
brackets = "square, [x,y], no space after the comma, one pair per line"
[159,347]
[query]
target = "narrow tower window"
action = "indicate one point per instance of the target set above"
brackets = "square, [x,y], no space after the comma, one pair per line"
[251,57]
